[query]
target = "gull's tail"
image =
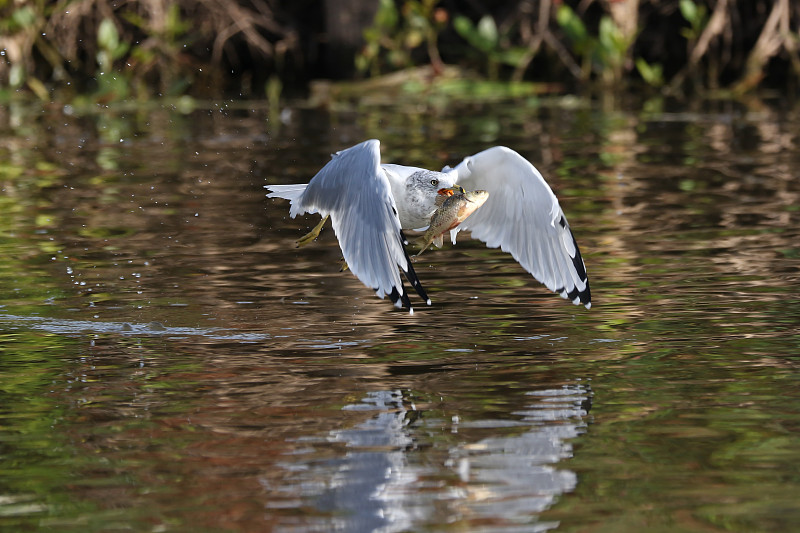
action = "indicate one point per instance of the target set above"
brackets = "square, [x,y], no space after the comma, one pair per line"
[288,192]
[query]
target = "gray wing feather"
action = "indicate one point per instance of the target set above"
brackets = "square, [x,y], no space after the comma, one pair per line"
[522,217]
[354,190]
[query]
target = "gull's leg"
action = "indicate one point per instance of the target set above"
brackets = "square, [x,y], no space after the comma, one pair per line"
[313,234]
[344,266]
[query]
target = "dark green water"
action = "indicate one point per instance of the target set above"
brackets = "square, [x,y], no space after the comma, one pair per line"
[170,362]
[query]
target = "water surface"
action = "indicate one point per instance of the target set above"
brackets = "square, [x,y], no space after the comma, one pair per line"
[170,362]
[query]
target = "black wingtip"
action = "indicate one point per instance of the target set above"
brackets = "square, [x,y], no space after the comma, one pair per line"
[577,296]
[398,294]
[585,296]
[411,274]
[401,299]
[577,261]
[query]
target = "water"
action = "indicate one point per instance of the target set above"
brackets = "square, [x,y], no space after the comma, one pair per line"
[170,362]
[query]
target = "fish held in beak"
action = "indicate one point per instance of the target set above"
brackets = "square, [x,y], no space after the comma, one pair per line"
[456,205]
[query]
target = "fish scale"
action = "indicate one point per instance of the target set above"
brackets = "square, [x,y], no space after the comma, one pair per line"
[457,205]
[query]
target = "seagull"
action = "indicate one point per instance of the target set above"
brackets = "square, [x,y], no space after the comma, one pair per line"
[370,204]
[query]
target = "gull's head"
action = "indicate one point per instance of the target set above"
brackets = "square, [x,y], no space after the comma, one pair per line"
[418,200]
[428,182]
[423,186]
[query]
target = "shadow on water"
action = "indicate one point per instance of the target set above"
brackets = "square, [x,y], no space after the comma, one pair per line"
[169,360]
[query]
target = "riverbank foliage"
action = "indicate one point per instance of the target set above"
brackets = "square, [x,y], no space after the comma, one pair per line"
[113,50]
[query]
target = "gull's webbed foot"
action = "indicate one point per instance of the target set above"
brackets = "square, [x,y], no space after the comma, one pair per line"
[309,237]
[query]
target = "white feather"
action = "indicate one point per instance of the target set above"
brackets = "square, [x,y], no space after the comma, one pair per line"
[355,191]
[522,217]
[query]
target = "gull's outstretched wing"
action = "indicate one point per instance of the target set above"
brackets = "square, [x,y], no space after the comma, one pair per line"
[523,218]
[354,190]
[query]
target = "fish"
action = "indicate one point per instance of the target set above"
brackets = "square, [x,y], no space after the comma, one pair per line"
[455,205]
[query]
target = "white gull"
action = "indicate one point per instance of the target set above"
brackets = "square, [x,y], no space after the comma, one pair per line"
[370,204]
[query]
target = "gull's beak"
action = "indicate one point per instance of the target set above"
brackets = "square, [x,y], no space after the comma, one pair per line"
[448,191]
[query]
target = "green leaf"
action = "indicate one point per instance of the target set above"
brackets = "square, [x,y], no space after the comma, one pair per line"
[613,44]
[689,11]
[483,37]
[174,25]
[120,50]
[572,25]
[651,74]
[487,30]
[414,38]
[16,75]
[611,36]
[386,16]
[24,17]
[417,21]
[512,56]
[362,62]
[107,35]
[463,26]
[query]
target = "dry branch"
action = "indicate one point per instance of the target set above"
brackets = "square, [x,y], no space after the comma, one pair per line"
[774,37]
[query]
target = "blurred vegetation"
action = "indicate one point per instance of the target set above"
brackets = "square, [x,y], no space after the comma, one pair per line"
[108,51]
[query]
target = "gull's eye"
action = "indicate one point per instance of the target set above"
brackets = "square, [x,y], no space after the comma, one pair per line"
[434,182]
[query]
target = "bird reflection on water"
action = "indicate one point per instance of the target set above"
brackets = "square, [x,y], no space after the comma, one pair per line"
[498,467]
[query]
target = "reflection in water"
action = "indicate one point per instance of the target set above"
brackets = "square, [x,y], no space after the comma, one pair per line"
[378,482]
